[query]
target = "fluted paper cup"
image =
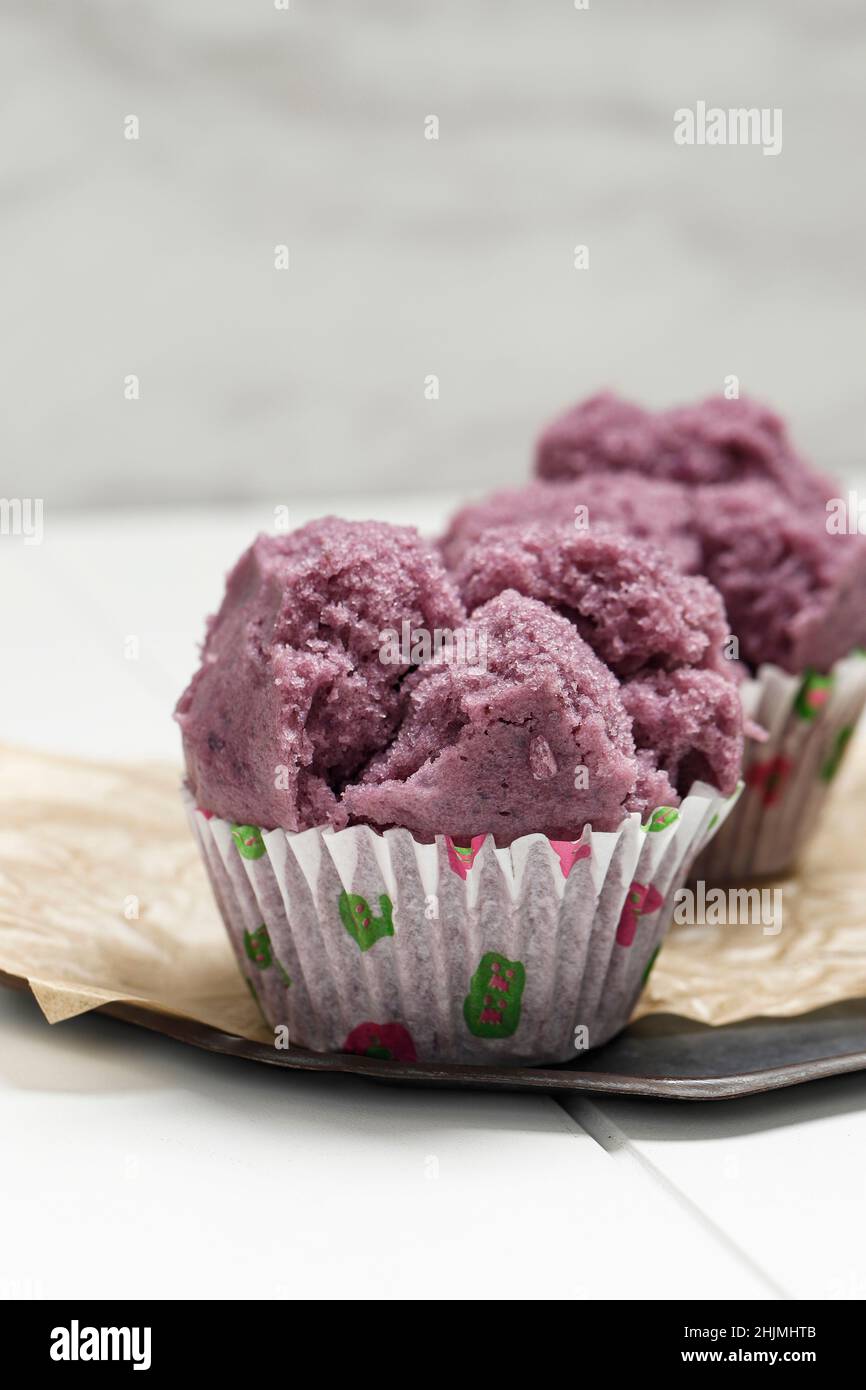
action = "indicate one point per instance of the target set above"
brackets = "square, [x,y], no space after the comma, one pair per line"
[809,719]
[374,943]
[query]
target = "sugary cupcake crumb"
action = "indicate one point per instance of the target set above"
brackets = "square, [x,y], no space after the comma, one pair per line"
[537,742]
[303,714]
[626,599]
[795,594]
[687,725]
[794,591]
[712,441]
[602,433]
[650,509]
[292,696]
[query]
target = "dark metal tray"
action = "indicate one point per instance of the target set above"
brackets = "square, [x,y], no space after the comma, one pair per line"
[661,1056]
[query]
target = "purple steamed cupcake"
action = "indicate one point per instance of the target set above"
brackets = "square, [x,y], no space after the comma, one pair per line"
[793,584]
[466,850]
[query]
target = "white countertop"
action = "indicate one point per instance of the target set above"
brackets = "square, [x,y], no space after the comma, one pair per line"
[133,1166]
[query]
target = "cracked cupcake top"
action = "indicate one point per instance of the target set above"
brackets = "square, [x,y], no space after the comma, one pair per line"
[720,488]
[325,697]
[650,509]
[499,749]
[626,599]
[292,696]
[795,593]
[712,441]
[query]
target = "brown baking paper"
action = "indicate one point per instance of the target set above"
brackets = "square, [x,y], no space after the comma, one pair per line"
[103,898]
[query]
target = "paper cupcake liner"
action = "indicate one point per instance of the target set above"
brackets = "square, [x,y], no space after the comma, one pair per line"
[374,943]
[810,720]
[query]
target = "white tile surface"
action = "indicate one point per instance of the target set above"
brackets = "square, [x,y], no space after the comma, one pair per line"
[780,1174]
[143,1168]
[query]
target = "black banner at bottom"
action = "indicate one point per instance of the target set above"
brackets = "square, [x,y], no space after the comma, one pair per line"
[152,1338]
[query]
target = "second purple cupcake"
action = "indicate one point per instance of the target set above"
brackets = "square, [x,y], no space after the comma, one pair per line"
[720,488]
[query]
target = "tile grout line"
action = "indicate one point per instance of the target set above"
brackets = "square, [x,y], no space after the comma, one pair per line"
[592,1119]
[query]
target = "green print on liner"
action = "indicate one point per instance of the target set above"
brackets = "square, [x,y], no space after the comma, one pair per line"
[360,921]
[661,818]
[257,945]
[649,965]
[492,1006]
[837,753]
[813,695]
[248,839]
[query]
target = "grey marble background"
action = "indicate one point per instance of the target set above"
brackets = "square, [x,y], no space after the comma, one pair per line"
[409,256]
